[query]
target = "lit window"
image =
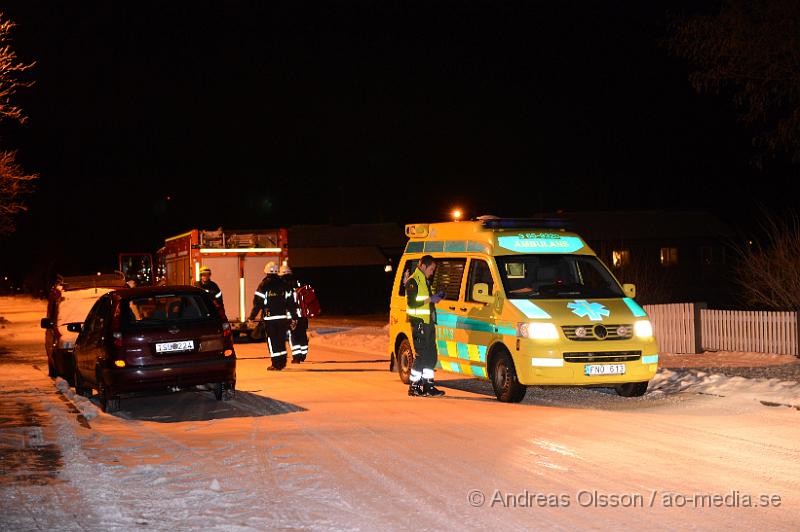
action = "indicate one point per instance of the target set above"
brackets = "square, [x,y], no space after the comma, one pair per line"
[669,256]
[620,258]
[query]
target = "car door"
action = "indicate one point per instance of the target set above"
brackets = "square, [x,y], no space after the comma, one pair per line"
[81,345]
[448,279]
[477,328]
[90,343]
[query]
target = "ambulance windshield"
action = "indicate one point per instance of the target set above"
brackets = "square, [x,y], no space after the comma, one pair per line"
[554,276]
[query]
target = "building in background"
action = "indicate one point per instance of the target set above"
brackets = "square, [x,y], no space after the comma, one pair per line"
[670,256]
[351,267]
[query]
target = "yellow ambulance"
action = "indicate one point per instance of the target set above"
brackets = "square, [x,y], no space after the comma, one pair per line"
[526,303]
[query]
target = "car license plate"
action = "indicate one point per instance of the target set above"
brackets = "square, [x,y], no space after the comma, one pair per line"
[603,369]
[169,347]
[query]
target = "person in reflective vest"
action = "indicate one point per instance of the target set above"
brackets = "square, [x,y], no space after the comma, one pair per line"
[209,286]
[275,300]
[422,316]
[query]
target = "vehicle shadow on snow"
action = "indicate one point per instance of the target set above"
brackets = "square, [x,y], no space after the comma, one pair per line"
[199,405]
[559,396]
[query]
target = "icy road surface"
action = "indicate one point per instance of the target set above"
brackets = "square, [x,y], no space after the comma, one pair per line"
[337,444]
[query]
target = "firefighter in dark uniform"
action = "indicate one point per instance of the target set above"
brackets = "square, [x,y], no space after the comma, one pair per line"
[298,335]
[275,300]
[209,286]
[422,316]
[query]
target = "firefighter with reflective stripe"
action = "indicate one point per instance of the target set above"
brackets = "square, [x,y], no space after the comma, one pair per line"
[275,300]
[209,286]
[298,335]
[422,315]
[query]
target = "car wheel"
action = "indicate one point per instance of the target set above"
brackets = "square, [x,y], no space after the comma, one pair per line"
[632,389]
[504,379]
[405,358]
[80,387]
[230,391]
[219,390]
[69,369]
[108,401]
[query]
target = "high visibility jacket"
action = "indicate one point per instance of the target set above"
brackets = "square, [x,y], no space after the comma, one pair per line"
[417,291]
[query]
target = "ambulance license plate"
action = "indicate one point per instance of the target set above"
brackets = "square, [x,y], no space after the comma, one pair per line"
[603,369]
[170,347]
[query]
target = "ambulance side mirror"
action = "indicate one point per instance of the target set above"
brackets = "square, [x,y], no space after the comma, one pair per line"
[480,293]
[630,290]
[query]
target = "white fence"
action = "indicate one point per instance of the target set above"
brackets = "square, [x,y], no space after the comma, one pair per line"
[674,326]
[692,328]
[760,332]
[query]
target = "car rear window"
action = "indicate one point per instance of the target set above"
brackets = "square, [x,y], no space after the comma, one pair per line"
[163,308]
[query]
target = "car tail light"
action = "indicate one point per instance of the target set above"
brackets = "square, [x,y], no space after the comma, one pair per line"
[226,330]
[119,363]
[228,352]
[116,326]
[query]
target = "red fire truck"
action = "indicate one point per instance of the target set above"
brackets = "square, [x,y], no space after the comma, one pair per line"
[236,258]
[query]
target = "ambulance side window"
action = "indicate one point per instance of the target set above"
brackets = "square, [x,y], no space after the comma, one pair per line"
[479,272]
[408,269]
[448,276]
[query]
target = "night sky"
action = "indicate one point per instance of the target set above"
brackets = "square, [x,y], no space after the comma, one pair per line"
[151,118]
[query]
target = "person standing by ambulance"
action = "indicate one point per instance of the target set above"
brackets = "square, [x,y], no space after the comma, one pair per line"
[275,300]
[422,316]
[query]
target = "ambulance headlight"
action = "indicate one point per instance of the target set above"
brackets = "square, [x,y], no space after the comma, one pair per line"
[643,329]
[537,331]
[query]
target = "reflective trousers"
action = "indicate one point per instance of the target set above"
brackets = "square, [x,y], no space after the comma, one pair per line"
[275,331]
[425,355]
[298,339]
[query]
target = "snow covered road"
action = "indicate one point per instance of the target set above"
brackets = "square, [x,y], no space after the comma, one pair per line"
[336,444]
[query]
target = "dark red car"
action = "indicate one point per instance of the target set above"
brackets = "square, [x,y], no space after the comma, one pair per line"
[152,338]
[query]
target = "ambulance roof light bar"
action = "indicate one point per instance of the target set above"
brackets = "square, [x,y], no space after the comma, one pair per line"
[493,222]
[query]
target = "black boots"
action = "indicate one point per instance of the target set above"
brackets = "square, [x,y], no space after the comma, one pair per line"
[424,388]
[416,390]
[430,390]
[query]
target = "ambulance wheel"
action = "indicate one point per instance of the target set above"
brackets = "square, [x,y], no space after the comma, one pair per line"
[632,389]
[504,379]
[405,357]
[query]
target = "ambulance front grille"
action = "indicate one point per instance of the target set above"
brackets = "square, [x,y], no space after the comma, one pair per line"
[598,332]
[603,356]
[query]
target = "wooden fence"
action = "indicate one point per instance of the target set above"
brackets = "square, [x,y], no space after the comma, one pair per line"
[675,326]
[692,328]
[759,332]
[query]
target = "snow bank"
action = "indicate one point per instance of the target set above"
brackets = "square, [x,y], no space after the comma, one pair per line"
[87,408]
[775,391]
[370,339]
[726,359]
